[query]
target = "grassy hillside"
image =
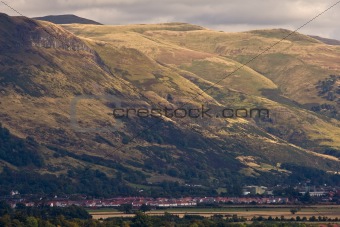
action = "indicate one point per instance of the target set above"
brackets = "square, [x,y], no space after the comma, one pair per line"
[208,66]
[280,74]
[295,64]
[142,67]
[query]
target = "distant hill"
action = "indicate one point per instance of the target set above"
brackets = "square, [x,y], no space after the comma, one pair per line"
[326,41]
[67,19]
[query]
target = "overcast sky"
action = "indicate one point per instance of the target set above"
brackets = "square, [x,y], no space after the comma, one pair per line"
[226,15]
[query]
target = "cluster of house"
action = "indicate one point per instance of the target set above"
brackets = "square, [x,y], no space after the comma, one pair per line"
[153,202]
[251,194]
[313,191]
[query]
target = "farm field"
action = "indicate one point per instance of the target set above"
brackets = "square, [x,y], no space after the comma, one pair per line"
[331,211]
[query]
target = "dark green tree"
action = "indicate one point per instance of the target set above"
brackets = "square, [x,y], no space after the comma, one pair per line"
[5,208]
[141,220]
[126,208]
[144,208]
[306,198]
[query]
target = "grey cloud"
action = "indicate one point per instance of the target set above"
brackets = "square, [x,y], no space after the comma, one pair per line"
[229,15]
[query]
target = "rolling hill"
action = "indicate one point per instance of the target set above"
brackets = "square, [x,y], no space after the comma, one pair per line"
[66,19]
[48,71]
[327,41]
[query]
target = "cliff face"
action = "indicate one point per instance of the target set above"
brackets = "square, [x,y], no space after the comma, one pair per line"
[21,32]
[28,53]
[53,37]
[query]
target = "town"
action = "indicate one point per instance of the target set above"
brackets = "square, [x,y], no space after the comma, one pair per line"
[251,195]
[137,202]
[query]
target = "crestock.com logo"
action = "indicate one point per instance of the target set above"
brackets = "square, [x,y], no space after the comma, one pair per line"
[201,112]
[118,113]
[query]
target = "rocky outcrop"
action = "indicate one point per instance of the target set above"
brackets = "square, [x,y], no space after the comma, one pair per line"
[22,32]
[51,36]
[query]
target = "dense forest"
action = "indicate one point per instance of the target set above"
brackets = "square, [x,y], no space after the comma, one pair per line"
[17,151]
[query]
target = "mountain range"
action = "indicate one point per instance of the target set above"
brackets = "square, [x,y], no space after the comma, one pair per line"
[48,71]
